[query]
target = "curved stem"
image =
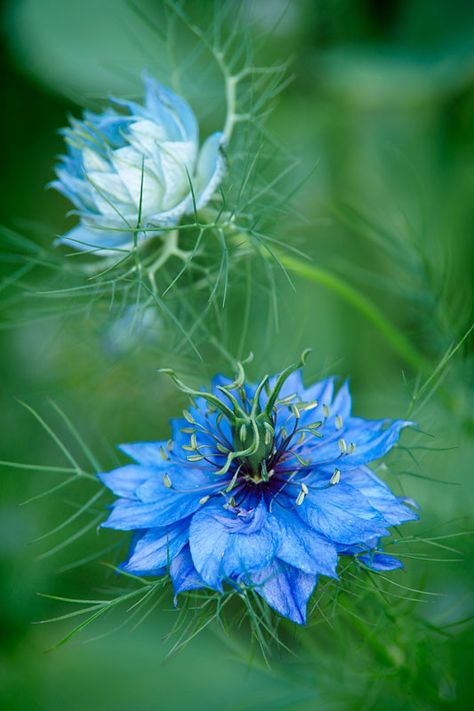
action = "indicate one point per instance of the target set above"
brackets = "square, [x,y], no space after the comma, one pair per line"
[393,336]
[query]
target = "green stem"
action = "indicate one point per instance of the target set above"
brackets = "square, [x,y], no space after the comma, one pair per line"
[393,336]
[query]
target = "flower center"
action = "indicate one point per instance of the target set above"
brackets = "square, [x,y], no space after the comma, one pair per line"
[254,448]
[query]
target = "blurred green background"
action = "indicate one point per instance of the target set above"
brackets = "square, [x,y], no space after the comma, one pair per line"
[382,103]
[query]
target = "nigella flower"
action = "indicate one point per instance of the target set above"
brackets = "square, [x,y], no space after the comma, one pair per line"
[261,486]
[138,167]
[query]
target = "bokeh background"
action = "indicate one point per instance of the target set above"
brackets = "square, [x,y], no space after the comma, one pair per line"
[380,115]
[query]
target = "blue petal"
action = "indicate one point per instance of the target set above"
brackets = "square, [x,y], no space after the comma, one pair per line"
[124,481]
[300,546]
[372,439]
[322,392]
[284,588]
[247,552]
[184,575]
[341,514]
[194,483]
[392,508]
[342,403]
[221,550]
[146,453]
[110,126]
[380,562]
[156,549]
[171,506]
[74,188]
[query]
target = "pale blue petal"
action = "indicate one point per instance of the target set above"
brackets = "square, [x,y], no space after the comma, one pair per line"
[100,242]
[171,110]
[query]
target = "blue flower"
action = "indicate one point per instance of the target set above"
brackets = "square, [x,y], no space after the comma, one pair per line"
[261,486]
[136,167]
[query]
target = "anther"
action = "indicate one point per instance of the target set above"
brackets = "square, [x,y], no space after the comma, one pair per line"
[195,458]
[296,412]
[342,446]
[339,422]
[336,477]
[204,499]
[326,410]
[188,417]
[306,406]
[167,481]
[301,496]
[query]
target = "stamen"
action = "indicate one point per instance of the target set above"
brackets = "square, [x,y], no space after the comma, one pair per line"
[167,481]
[336,477]
[326,411]
[339,422]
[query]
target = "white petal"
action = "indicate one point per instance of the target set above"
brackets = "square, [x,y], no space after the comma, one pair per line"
[210,169]
[177,163]
[146,135]
[132,170]
[111,186]
[92,160]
